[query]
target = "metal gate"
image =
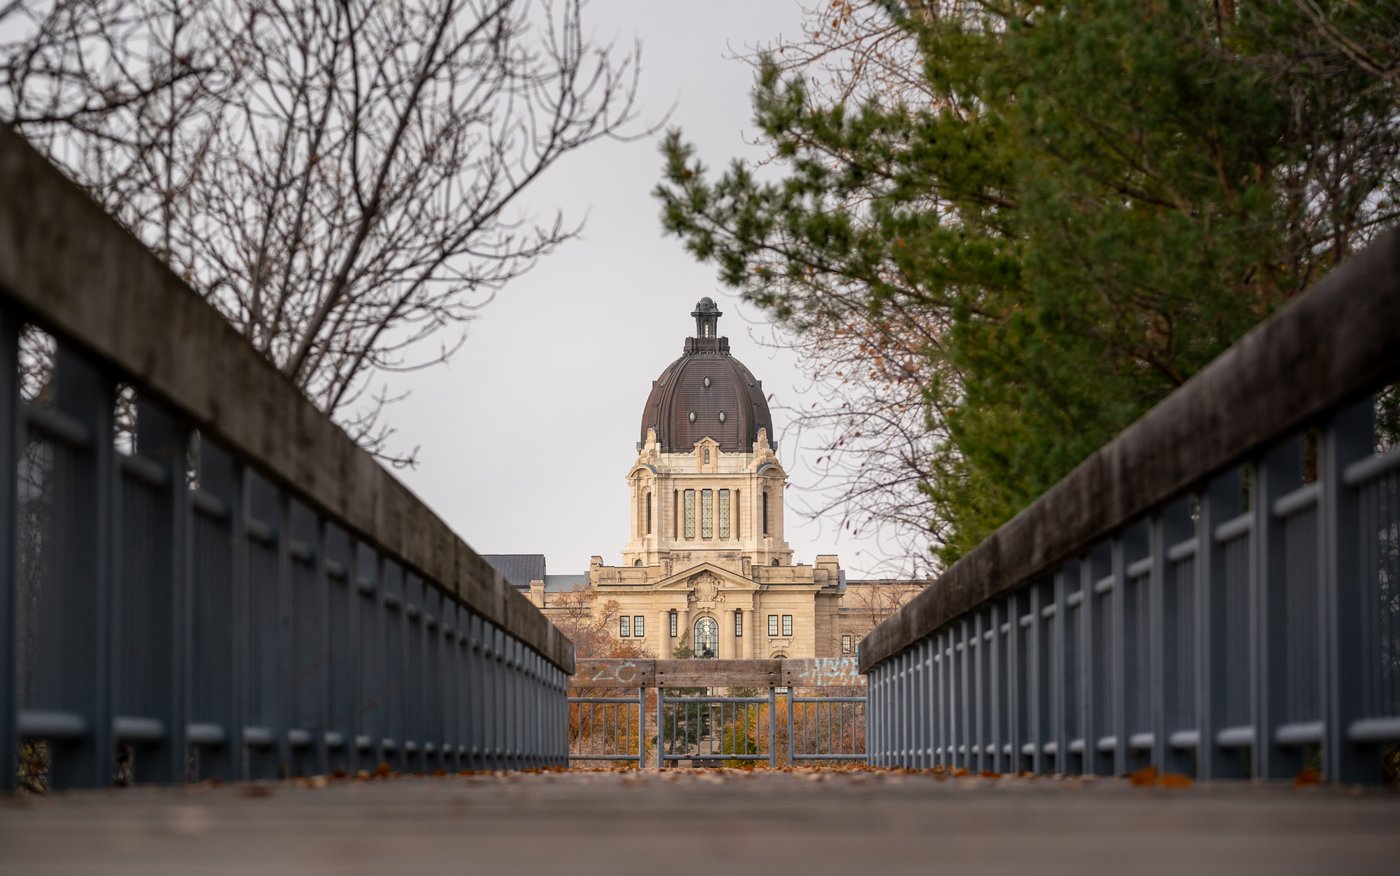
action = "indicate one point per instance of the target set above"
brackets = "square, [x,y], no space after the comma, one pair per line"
[686,724]
[705,729]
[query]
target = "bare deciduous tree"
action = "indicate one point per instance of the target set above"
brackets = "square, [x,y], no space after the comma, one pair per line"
[864,414]
[344,181]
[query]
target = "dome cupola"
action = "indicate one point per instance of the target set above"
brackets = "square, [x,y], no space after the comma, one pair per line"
[706,393]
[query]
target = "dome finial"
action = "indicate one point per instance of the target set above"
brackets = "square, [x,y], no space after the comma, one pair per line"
[707,316]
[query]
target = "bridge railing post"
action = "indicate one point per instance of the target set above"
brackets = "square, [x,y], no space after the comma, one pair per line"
[1275,472]
[1349,592]
[10,442]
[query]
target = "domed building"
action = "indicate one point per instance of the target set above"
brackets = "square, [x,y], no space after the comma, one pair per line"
[706,560]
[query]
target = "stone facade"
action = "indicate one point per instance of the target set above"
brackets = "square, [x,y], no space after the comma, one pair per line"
[706,557]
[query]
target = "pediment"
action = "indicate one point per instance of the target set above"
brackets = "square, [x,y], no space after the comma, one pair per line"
[701,574]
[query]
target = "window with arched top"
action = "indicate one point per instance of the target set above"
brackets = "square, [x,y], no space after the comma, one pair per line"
[706,638]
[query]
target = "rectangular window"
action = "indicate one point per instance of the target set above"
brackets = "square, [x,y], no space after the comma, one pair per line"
[846,643]
[738,623]
[738,532]
[724,514]
[707,516]
[689,513]
[674,631]
[675,506]
[765,512]
[639,626]
[773,625]
[624,627]
[648,512]
[787,625]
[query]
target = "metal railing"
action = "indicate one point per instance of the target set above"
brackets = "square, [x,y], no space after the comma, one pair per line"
[202,576]
[1216,592]
[697,727]
[608,728]
[826,728]
[805,712]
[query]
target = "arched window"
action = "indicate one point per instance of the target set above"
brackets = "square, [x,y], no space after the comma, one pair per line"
[637,563]
[706,638]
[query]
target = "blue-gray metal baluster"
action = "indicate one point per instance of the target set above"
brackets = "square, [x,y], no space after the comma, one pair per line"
[527,730]
[161,439]
[931,711]
[439,679]
[370,708]
[1170,527]
[512,713]
[432,681]
[286,689]
[221,625]
[466,688]
[906,696]
[522,707]
[873,719]
[1033,697]
[521,702]
[344,668]
[923,702]
[997,688]
[938,691]
[1015,681]
[1098,715]
[1060,680]
[902,698]
[10,442]
[887,703]
[321,627]
[532,715]
[85,508]
[1346,439]
[559,718]
[415,658]
[505,750]
[1218,502]
[1117,659]
[479,688]
[395,676]
[258,638]
[1276,473]
[496,706]
[977,701]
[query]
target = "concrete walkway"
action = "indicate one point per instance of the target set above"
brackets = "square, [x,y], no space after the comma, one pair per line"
[706,822]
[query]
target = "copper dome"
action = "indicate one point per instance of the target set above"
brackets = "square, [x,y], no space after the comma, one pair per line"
[706,393]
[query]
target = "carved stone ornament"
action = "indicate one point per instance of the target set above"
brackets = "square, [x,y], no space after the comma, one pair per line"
[705,589]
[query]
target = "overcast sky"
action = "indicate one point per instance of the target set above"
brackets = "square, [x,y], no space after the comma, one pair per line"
[527,434]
